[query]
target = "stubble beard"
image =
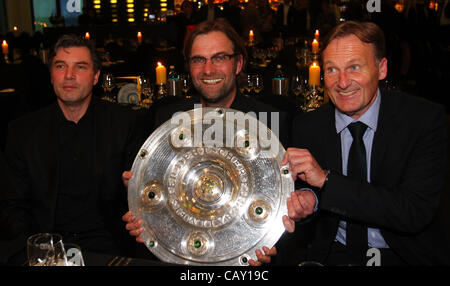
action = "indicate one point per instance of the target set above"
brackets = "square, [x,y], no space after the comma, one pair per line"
[224,93]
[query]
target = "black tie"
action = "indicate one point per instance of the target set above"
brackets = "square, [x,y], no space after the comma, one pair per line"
[357,169]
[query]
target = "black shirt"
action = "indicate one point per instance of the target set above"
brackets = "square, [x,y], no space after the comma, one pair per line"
[78,199]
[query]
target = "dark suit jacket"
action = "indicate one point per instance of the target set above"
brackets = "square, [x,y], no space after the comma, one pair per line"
[32,145]
[241,103]
[407,176]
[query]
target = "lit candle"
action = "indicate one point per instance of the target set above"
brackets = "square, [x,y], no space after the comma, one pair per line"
[250,36]
[314,74]
[87,36]
[160,74]
[139,37]
[315,46]
[431,5]
[5,49]
[15,28]
[316,35]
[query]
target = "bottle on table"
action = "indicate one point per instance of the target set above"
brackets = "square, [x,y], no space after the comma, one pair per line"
[280,83]
[173,82]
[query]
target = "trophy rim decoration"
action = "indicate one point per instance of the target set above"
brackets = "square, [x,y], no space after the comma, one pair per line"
[210,203]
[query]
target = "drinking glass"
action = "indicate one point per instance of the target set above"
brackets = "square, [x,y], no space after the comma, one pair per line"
[304,57]
[310,263]
[146,91]
[108,86]
[298,85]
[258,83]
[249,85]
[45,249]
[185,84]
[241,82]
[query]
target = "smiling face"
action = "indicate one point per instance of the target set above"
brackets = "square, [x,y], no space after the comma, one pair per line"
[351,74]
[216,83]
[73,76]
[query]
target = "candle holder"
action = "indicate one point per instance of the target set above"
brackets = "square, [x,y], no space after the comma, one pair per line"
[313,98]
[6,58]
[161,90]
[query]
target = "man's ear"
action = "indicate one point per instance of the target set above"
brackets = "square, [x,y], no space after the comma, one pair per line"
[382,69]
[239,64]
[97,74]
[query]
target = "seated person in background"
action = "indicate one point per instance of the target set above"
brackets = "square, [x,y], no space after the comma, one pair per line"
[376,160]
[215,55]
[66,160]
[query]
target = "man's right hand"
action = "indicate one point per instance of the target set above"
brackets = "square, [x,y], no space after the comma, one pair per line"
[134,226]
[126,176]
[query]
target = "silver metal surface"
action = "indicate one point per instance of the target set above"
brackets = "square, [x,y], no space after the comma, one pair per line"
[210,202]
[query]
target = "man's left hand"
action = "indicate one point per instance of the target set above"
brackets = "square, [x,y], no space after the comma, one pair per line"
[263,258]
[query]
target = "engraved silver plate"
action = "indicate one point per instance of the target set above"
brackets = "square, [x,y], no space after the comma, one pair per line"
[210,188]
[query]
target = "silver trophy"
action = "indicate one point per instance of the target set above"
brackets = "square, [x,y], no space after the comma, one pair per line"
[210,188]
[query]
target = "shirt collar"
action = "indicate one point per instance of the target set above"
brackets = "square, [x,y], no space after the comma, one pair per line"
[370,117]
[87,116]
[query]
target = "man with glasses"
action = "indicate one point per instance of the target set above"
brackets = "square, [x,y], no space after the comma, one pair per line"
[215,55]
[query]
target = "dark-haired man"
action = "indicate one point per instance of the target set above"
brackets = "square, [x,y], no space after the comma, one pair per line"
[215,55]
[66,159]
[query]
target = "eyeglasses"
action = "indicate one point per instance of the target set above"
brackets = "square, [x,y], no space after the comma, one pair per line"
[215,60]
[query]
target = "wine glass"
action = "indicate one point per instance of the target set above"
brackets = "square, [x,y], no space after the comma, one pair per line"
[258,83]
[241,82]
[185,80]
[249,85]
[304,56]
[146,91]
[108,86]
[45,249]
[298,85]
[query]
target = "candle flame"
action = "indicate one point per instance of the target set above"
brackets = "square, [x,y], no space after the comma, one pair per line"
[251,32]
[4,43]
[431,5]
[139,34]
[317,32]
[87,35]
[159,64]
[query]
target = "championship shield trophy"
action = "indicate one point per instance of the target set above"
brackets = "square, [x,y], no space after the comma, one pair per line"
[210,188]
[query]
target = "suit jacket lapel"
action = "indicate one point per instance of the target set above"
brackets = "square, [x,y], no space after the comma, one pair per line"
[385,129]
[332,142]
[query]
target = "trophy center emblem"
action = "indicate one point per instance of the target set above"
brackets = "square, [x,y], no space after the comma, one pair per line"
[209,188]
